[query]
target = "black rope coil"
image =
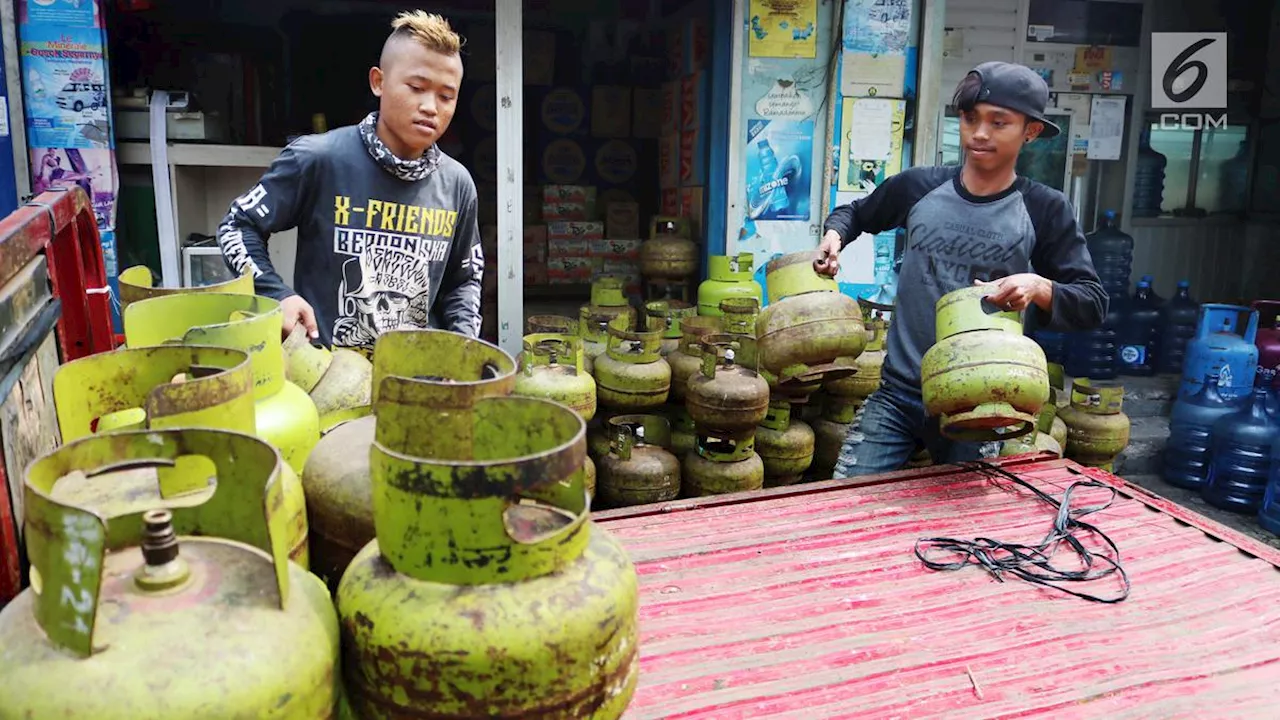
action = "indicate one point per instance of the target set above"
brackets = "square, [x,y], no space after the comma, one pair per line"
[1034,564]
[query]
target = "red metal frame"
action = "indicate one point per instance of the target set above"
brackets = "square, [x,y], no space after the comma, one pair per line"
[59,223]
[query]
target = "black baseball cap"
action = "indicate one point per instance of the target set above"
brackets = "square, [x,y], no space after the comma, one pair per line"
[1015,87]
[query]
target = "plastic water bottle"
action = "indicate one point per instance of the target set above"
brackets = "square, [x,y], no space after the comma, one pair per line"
[1112,253]
[1155,296]
[1177,328]
[1139,335]
[1094,354]
[1148,181]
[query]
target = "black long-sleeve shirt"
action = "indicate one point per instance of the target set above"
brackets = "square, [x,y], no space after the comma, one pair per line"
[955,237]
[375,253]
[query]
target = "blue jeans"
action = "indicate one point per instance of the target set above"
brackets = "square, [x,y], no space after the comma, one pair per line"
[892,421]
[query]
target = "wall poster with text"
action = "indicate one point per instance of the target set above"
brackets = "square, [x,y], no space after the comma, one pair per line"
[783,29]
[779,166]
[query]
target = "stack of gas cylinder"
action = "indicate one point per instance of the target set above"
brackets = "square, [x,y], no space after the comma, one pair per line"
[207,465]
[1224,434]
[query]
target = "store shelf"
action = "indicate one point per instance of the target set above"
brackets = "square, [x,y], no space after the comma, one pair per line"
[201,155]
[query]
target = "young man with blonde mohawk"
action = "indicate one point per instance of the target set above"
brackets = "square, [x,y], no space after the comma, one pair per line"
[387,233]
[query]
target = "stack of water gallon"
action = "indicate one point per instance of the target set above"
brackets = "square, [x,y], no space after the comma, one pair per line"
[1225,430]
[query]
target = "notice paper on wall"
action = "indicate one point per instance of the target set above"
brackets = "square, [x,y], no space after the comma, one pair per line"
[870,143]
[1106,127]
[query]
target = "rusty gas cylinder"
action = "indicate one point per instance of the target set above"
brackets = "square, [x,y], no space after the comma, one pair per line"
[686,360]
[720,465]
[738,315]
[810,330]
[593,328]
[1097,428]
[639,468]
[483,531]
[106,630]
[669,254]
[785,445]
[632,374]
[552,367]
[866,380]
[830,431]
[666,316]
[609,302]
[727,396]
[558,324]
[338,380]
[136,283]
[1042,440]
[165,386]
[984,378]
[337,474]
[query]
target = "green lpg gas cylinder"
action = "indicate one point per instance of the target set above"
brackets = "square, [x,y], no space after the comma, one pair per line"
[667,316]
[137,283]
[338,380]
[166,386]
[285,415]
[176,612]
[552,368]
[722,465]
[339,494]
[728,276]
[785,445]
[632,374]
[488,592]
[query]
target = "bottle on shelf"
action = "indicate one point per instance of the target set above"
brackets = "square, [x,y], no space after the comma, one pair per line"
[1139,334]
[1148,181]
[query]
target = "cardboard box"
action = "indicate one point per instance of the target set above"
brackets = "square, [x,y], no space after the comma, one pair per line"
[563,111]
[622,220]
[669,113]
[611,111]
[562,161]
[669,202]
[693,101]
[584,194]
[617,249]
[562,247]
[669,162]
[535,273]
[535,242]
[693,158]
[575,230]
[570,270]
[696,41]
[616,162]
[560,212]
[643,125]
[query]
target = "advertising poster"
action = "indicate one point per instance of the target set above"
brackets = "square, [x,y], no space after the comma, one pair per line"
[875,37]
[870,143]
[779,169]
[783,29]
[67,101]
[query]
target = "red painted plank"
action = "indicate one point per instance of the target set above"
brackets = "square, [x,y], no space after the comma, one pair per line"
[809,602]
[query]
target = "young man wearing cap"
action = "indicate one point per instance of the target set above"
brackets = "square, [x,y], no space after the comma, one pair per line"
[387,223]
[977,224]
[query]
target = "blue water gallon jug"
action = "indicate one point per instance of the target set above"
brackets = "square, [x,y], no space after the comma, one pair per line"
[1112,251]
[1177,328]
[1223,344]
[1269,513]
[1148,181]
[1054,345]
[1139,334]
[1154,296]
[1094,354]
[1241,462]
[1186,456]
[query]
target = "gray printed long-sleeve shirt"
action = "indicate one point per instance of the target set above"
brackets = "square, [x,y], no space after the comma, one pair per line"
[375,253]
[955,237]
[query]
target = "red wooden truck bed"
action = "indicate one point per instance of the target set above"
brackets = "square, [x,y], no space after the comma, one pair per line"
[808,602]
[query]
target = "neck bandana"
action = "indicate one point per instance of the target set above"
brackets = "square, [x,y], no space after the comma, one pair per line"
[407,170]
